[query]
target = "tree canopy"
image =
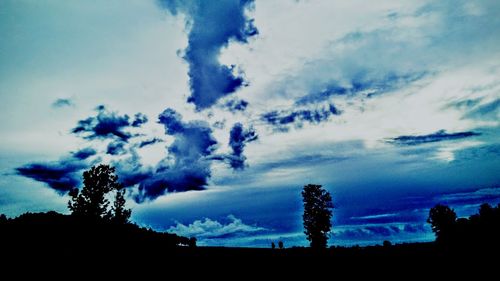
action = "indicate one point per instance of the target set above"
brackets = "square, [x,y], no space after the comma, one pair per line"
[317,215]
[91,201]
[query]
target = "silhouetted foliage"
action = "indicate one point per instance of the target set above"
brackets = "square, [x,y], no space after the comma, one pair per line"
[280,245]
[387,243]
[3,218]
[442,219]
[273,246]
[317,215]
[478,232]
[119,214]
[91,202]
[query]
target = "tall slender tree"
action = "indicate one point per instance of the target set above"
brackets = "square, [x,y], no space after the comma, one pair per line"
[317,215]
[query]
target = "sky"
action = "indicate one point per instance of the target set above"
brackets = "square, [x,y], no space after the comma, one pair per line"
[215,114]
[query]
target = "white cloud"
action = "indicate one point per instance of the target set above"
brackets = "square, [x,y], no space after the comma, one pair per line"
[208,228]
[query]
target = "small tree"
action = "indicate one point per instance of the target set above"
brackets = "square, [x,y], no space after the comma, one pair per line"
[119,214]
[442,219]
[317,215]
[91,202]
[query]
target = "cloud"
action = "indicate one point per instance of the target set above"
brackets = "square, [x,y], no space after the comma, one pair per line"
[212,26]
[187,166]
[212,229]
[139,120]
[108,124]
[62,175]
[238,138]
[362,83]
[235,105]
[116,148]
[149,142]
[470,197]
[62,103]
[281,119]
[84,153]
[131,171]
[378,231]
[441,135]
[488,111]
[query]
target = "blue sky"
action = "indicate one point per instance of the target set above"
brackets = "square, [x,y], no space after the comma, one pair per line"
[217,113]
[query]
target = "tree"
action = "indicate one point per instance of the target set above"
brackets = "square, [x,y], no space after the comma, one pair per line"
[91,202]
[443,220]
[280,245]
[317,215]
[119,214]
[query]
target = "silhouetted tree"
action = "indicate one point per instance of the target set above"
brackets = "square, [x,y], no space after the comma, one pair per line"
[387,243]
[91,202]
[3,218]
[192,242]
[442,219]
[273,246]
[317,215]
[119,214]
[280,245]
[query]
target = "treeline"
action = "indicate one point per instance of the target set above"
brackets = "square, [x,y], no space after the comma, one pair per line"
[477,232]
[95,223]
[53,230]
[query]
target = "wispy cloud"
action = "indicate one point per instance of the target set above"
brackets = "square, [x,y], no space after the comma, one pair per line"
[62,102]
[438,136]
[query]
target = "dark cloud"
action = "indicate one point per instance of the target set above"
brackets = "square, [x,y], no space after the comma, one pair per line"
[238,138]
[139,120]
[362,83]
[212,25]
[441,135]
[374,231]
[62,103]
[62,175]
[131,171]
[84,153]
[116,148]
[280,120]
[235,105]
[108,124]
[414,228]
[149,142]
[187,166]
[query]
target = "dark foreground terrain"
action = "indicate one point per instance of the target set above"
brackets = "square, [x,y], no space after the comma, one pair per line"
[61,241]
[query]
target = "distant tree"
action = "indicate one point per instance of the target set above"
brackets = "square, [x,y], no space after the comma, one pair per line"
[91,202]
[387,243]
[3,218]
[280,244]
[317,215]
[273,246]
[192,242]
[443,221]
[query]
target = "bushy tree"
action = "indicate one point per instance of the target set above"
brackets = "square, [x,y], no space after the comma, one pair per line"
[91,202]
[317,215]
[442,219]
